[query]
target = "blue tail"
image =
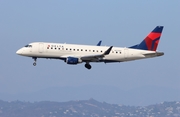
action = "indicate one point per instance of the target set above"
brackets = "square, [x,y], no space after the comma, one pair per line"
[151,41]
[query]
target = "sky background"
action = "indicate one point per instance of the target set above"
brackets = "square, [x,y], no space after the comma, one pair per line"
[118,23]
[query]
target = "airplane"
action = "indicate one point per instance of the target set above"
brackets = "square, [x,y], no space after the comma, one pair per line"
[75,54]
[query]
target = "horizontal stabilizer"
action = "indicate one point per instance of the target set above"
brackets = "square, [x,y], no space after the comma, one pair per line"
[154,54]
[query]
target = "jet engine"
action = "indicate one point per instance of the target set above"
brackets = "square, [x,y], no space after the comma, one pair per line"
[73,60]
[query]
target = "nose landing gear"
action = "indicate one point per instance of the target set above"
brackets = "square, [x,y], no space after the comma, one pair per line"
[35,58]
[34,64]
[88,66]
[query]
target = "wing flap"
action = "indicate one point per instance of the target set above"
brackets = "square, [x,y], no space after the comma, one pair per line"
[90,58]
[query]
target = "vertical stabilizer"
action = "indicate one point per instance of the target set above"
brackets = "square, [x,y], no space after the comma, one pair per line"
[151,41]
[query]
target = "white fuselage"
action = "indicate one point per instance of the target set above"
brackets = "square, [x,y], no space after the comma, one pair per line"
[62,51]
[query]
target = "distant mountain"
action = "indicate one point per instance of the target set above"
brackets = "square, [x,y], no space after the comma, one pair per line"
[86,108]
[141,96]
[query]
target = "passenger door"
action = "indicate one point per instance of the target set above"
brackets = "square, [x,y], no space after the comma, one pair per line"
[41,47]
[125,53]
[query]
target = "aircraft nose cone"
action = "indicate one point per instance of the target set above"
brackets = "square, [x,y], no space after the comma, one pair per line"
[19,52]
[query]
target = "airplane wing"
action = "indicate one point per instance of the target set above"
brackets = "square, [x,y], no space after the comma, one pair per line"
[96,57]
[99,43]
[89,58]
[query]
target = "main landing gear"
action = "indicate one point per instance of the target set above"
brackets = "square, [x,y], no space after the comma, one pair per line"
[35,58]
[88,66]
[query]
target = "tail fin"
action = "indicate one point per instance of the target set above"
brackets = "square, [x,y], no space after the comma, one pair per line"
[151,41]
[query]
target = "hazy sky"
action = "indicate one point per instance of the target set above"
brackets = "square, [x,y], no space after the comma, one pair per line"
[119,23]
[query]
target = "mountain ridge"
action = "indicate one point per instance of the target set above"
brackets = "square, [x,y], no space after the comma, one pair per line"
[140,96]
[86,108]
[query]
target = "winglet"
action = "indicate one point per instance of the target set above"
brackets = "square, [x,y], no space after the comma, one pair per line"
[99,44]
[108,50]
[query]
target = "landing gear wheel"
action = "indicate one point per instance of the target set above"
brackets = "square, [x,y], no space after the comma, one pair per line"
[35,58]
[88,66]
[34,64]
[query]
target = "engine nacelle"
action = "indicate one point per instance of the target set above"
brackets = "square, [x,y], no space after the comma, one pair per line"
[73,60]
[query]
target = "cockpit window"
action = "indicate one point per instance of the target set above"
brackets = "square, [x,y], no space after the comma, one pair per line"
[29,46]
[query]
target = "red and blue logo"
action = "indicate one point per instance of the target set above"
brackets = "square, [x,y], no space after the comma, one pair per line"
[152,40]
